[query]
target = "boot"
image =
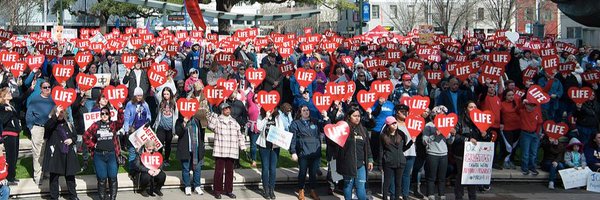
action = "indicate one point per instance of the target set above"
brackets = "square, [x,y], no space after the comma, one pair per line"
[314,195]
[102,189]
[113,186]
[272,193]
[266,192]
[301,194]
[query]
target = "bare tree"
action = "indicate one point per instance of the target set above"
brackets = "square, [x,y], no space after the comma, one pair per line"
[289,26]
[18,13]
[406,15]
[448,15]
[501,13]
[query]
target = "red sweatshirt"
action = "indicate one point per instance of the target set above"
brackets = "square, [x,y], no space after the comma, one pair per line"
[530,121]
[510,116]
[493,104]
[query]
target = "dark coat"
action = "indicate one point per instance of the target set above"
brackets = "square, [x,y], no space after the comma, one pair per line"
[9,119]
[183,141]
[347,163]
[131,82]
[445,99]
[465,130]
[54,160]
[392,155]
[306,141]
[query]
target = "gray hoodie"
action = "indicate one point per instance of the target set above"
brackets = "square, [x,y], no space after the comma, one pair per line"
[435,144]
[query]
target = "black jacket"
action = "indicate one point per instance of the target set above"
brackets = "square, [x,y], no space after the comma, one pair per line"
[183,141]
[55,161]
[10,119]
[587,116]
[347,162]
[392,155]
[553,152]
[466,130]
[238,111]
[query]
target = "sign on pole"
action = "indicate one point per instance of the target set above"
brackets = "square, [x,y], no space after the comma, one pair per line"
[366,12]
[477,163]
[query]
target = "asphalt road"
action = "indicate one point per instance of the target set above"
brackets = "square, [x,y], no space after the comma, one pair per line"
[499,191]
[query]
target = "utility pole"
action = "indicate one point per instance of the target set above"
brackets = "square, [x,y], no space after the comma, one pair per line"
[61,14]
[360,16]
[45,14]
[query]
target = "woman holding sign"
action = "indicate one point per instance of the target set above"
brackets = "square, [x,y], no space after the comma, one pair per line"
[269,153]
[437,153]
[190,152]
[392,148]
[165,121]
[102,140]
[137,114]
[61,157]
[149,164]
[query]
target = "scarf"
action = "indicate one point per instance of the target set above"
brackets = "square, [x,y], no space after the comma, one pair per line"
[193,130]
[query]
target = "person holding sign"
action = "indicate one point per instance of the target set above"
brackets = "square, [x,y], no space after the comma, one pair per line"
[165,121]
[149,164]
[228,141]
[61,157]
[137,114]
[574,156]
[465,131]
[553,157]
[588,117]
[592,153]
[269,153]
[392,148]
[190,152]
[102,140]
[531,121]
[11,127]
[354,158]
[437,152]
[306,148]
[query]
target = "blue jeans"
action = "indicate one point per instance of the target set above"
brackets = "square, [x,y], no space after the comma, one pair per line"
[585,134]
[4,192]
[185,173]
[529,143]
[547,166]
[105,163]
[131,158]
[253,146]
[308,164]
[269,158]
[410,161]
[359,182]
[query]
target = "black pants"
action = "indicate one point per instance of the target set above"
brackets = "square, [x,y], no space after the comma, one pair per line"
[501,150]
[374,142]
[512,137]
[458,187]
[388,173]
[154,182]
[436,169]
[54,190]
[11,144]
[419,163]
[165,137]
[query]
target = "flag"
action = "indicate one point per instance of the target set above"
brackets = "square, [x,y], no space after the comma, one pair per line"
[193,8]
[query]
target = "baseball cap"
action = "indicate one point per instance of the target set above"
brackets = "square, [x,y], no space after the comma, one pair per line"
[406,77]
[390,120]
[225,105]
[402,107]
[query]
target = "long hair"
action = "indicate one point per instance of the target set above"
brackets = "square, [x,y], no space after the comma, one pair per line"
[3,93]
[299,111]
[386,135]
[170,102]
[514,103]
[97,104]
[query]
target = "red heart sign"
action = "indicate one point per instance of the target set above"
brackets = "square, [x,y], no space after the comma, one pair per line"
[366,99]
[152,160]
[336,90]
[287,69]
[17,68]
[338,132]
[418,104]
[414,66]
[445,123]
[322,101]
[350,89]
[116,95]
[550,63]
[434,76]
[482,119]
[214,94]
[415,125]
[157,78]
[85,81]
[591,76]
[63,97]
[35,62]
[161,67]
[62,73]
[5,35]
[305,76]
[9,58]
[383,88]
[580,95]
[268,100]
[229,85]
[129,60]
[68,60]
[536,94]
[555,130]
[188,107]
[83,59]
[255,76]
[97,47]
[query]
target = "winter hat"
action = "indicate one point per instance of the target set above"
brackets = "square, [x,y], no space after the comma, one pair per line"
[138,91]
[573,142]
[390,120]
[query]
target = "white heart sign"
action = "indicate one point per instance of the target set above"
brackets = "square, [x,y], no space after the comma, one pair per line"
[512,36]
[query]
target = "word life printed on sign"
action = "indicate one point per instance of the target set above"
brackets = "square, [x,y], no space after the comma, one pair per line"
[279,137]
[92,117]
[555,130]
[322,101]
[415,125]
[337,132]
[143,134]
[255,76]
[580,95]
[573,178]
[116,95]
[366,99]
[63,97]
[482,119]
[268,100]
[305,77]
[536,95]
[188,107]
[477,163]
[214,94]
[152,160]
[445,123]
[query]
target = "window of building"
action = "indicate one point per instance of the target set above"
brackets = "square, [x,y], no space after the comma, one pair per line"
[548,15]
[394,11]
[529,13]
[238,22]
[573,32]
[480,13]
[375,11]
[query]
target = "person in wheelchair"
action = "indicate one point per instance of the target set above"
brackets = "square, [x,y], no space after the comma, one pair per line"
[149,177]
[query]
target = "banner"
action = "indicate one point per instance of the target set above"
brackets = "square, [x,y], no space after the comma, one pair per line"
[91,117]
[573,178]
[279,137]
[143,134]
[103,80]
[593,182]
[193,8]
[477,163]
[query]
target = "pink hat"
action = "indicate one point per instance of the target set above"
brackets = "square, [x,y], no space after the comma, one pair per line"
[390,120]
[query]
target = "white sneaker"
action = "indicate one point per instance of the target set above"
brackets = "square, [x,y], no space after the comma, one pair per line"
[551,185]
[199,190]
[188,191]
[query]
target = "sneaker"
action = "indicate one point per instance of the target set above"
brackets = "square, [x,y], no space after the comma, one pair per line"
[230,195]
[430,197]
[551,185]
[534,172]
[525,172]
[198,190]
[188,191]
[443,197]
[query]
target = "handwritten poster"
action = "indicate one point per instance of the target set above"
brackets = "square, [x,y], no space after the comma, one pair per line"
[573,178]
[143,134]
[477,163]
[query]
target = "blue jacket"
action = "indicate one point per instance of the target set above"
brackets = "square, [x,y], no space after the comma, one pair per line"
[556,89]
[314,113]
[306,141]
[380,112]
[130,112]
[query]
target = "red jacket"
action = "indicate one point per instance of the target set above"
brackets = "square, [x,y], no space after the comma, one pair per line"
[530,121]
[493,104]
[510,115]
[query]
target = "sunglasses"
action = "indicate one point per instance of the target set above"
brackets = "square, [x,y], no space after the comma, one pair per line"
[194,72]
[47,87]
[361,75]
[104,113]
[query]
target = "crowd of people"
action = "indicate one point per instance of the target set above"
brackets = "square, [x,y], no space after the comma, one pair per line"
[379,138]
